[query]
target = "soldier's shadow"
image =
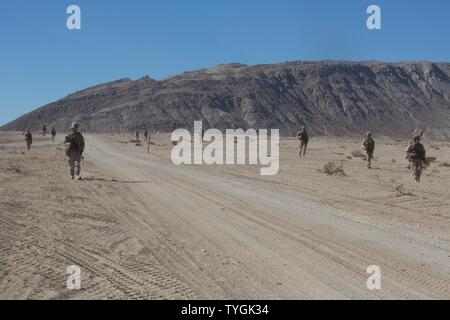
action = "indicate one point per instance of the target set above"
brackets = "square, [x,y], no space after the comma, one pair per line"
[113,180]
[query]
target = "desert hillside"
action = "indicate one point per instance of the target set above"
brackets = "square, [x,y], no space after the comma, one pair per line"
[331,98]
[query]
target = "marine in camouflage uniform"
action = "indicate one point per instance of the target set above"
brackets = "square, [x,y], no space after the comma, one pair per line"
[53,134]
[303,136]
[74,150]
[368,146]
[149,142]
[416,155]
[145,135]
[29,138]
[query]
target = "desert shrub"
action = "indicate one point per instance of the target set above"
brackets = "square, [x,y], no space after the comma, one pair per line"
[358,154]
[401,191]
[331,168]
[14,169]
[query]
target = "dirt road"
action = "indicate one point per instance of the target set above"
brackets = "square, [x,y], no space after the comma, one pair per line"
[208,232]
[234,239]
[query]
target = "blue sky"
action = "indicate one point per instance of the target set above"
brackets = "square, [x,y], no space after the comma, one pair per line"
[42,61]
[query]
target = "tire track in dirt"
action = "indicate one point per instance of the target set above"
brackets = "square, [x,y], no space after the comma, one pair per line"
[343,254]
[121,209]
[60,226]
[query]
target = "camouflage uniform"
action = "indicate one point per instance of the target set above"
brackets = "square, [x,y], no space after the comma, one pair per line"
[416,155]
[53,134]
[303,136]
[368,146]
[29,139]
[145,135]
[149,141]
[74,150]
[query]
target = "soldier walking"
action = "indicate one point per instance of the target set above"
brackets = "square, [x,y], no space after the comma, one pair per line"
[368,146]
[416,154]
[44,131]
[149,142]
[74,150]
[303,136]
[53,134]
[29,139]
[137,135]
[145,135]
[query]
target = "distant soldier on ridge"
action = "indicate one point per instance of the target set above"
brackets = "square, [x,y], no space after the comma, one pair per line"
[44,130]
[29,138]
[368,146]
[303,137]
[74,150]
[416,155]
[53,134]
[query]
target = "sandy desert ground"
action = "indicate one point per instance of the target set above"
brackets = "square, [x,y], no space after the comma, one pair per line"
[141,228]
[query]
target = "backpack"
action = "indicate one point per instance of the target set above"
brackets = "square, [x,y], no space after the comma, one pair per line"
[369,145]
[68,145]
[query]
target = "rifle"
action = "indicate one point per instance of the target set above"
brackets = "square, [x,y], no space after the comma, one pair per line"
[410,156]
